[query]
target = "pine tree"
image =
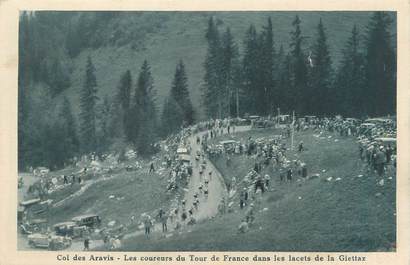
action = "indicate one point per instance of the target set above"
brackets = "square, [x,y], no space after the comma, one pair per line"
[172,116]
[144,111]
[251,73]
[88,99]
[284,82]
[299,69]
[103,115]
[267,68]
[68,128]
[180,94]
[230,61]
[212,88]
[124,90]
[349,81]
[320,94]
[57,78]
[122,113]
[380,66]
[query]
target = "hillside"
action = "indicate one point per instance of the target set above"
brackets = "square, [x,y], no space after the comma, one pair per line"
[165,37]
[348,212]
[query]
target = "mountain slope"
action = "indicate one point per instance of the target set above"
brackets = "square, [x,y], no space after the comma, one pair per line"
[165,37]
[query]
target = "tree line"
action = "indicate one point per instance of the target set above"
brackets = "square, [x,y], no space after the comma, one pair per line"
[257,79]
[129,119]
[303,78]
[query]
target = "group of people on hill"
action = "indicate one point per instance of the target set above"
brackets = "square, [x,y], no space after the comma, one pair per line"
[377,156]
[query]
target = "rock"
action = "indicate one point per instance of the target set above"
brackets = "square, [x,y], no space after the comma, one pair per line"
[381,182]
[329,179]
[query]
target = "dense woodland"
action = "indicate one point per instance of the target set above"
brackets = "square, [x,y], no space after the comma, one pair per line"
[241,75]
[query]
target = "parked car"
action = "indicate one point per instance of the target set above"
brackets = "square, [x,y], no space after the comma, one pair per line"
[90,220]
[33,226]
[240,122]
[185,159]
[51,242]
[41,171]
[228,145]
[182,151]
[386,141]
[70,229]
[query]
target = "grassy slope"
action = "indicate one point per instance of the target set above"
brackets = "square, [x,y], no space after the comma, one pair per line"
[330,216]
[140,192]
[180,35]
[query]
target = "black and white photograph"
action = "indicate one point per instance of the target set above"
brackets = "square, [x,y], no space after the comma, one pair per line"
[208,131]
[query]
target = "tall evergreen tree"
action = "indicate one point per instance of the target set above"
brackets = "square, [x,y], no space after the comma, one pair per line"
[230,62]
[252,84]
[299,69]
[320,97]
[180,94]
[122,113]
[88,99]
[380,66]
[103,134]
[57,78]
[284,82]
[144,111]
[349,81]
[267,68]
[172,116]
[212,88]
[67,126]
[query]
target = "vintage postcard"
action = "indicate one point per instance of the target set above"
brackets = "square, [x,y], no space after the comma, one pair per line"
[182,132]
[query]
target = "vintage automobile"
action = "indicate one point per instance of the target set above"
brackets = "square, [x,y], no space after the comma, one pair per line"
[90,220]
[33,226]
[283,121]
[70,229]
[367,126]
[228,145]
[182,151]
[309,118]
[185,159]
[41,171]
[51,242]
[254,117]
[29,203]
[260,124]
[386,141]
[240,122]
[379,121]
